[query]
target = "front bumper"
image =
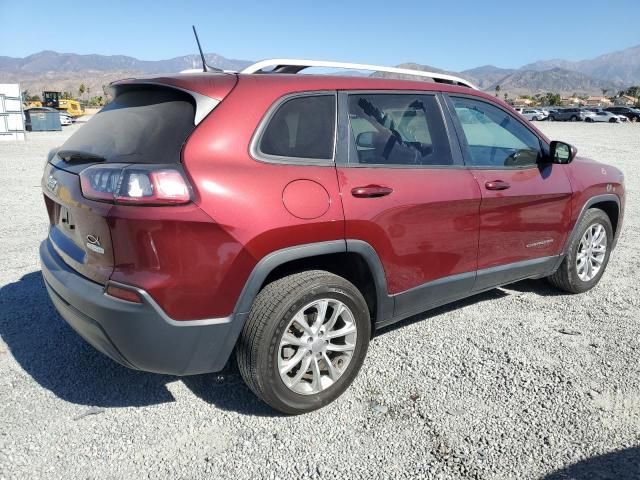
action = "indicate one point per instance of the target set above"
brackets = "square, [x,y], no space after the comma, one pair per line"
[138,336]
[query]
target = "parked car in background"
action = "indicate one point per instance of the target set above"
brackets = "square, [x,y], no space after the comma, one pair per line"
[604,116]
[534,115]
[265,214]
[66,119]
[632,114]
[568,114]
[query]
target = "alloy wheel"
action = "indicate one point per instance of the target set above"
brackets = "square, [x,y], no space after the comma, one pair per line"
[317,346]
[591,252]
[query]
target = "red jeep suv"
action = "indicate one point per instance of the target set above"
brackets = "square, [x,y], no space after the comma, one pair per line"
[286,217]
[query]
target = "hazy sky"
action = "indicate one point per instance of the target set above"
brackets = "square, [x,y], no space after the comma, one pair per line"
[454,35]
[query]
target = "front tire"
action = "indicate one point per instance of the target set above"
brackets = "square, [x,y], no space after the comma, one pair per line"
[588,254]
[304,341]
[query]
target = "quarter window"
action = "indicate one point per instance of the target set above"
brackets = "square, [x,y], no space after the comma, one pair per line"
[302,127]
[397,129]
[495,138]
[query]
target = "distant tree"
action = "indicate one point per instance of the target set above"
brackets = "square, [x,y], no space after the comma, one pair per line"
[604,91]
[67,95]
[81,89]
[497,90]
[106,94]
[553,99]
[506,96]
[25,95]
[34,98]
[96,101]
[633,91]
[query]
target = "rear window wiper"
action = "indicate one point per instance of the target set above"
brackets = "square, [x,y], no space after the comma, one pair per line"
[74,156]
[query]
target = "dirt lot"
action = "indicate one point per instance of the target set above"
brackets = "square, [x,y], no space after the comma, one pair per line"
[519,382]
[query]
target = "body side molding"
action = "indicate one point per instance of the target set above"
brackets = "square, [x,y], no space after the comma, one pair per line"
[514,272]
[459,286]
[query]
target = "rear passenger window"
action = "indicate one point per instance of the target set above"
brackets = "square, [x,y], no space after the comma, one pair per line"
[302,127]
[494,137]
[397,129]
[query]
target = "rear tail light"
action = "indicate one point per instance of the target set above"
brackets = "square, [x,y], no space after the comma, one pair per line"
[135,184]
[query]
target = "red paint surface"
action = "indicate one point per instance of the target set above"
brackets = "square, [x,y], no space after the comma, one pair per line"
[535,208]
[195,259]
[425,229]
[306,199]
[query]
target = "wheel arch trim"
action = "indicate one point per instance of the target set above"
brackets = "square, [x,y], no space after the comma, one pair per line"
[279,257]
[607,197]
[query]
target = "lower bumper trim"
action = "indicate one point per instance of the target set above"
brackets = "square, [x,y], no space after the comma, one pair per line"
[137,335]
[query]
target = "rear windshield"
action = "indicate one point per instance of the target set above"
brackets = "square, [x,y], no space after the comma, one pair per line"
[141,125]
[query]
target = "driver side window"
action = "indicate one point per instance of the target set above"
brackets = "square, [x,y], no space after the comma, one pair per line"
[495,138]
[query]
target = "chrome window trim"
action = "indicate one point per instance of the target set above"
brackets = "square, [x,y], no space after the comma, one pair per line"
[254,145]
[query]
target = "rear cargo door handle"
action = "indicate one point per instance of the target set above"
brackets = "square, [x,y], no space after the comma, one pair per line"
[371,191]
[497,185]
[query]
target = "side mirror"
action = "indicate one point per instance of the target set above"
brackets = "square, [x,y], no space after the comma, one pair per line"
[561,152]
[365,140]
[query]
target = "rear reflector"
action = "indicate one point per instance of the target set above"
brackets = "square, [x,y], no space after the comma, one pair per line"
[123,293]
[135,184]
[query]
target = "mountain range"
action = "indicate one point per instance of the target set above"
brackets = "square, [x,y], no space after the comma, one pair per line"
[48,70]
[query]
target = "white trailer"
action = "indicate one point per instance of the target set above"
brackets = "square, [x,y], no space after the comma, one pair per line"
[11,116]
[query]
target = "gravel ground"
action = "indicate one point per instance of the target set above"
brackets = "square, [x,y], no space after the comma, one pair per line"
[519,382]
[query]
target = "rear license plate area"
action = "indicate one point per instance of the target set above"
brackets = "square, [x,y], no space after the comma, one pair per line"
[65,220]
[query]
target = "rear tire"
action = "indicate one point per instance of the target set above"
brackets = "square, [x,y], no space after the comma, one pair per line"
[568,277]
[613,120]
[588,119]
[274,338]
[574,118]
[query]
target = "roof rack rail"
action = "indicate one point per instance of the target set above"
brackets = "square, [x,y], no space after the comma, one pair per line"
[293,65]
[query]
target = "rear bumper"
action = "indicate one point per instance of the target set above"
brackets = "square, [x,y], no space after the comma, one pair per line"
[138,336]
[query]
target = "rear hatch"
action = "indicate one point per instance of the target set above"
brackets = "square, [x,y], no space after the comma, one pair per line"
[144,124]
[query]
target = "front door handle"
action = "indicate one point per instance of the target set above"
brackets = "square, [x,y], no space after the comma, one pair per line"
[497,185]
[371,191]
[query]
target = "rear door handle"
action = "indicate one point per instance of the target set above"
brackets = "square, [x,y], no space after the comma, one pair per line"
[371,191]
[497,185]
